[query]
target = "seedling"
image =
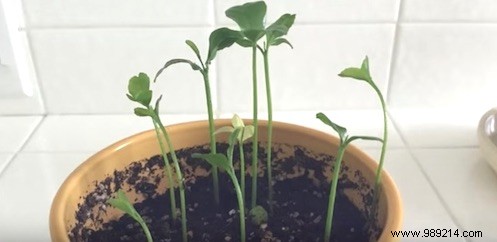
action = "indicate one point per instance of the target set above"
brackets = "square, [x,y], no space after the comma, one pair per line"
[139,91]
[122,203]
[218,40]
[250,19]
[345,140]
[225,162]
[363,74]
[274,35]
[246,132]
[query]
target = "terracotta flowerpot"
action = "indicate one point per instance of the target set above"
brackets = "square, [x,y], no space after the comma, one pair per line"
[144,145]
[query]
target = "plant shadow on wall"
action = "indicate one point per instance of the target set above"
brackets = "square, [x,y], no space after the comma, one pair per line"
[310,187]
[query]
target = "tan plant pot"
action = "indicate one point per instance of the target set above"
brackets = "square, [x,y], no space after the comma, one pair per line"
[144,145]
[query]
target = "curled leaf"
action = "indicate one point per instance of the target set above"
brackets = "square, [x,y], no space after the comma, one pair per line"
[142,112]
[194,47]
[339,129]
[220,39]
[237,122]
[194,66]
[224,129]
[279,41]
[279,28]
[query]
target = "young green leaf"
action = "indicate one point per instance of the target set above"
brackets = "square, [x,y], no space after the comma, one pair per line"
[250,19]
[194,47]
[279,28]
[258,215]
[142,112]
[139,89]
[219,160]
[225,129]
[279,41]
[237,122]
[220,39]
[122,203]
[248,132]
[156,108]
[372,138]
[339,129]
[194,66]
[358,73]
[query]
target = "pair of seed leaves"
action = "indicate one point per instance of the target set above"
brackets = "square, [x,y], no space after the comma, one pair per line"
[238,133]
[122,203]
[359,73]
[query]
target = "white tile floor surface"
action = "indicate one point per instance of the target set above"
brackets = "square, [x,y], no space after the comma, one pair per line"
[433,158]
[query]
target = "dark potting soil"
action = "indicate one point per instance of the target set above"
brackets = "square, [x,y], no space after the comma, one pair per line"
[299,214]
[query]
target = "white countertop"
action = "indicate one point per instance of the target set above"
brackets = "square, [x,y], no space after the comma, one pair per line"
[433,157]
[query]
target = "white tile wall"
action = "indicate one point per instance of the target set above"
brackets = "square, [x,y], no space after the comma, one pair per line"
[449,10]
[95,13]
[323,11]
[445,66]
[85,51]
[87,70]
[306,78]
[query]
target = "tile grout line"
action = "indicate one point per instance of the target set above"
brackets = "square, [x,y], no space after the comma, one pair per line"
[28,138]
[425,174]
[393,54]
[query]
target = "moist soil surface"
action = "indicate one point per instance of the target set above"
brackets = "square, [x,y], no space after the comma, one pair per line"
[299,212]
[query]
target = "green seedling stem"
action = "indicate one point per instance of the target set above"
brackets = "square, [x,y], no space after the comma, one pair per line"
[180,180]
[269,128]
[226,163]
[345,140]
[169,175]
[255,138]
[215,176]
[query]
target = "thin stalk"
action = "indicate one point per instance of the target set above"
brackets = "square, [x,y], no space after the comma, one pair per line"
[180,181]
[255,138]
[239,197]
[269,129]
[385,138]
[333,191]
[172,197]
[215,176]
[242,168]
[147,231]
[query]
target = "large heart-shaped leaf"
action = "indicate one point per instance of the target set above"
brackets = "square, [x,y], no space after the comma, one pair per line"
[250,19]
[192,64]
[220,39]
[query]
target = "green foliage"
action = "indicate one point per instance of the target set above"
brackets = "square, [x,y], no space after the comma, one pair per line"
[217,160]
[250,19]
[139,89]
[258,215]
[358,73]
[221,38]
[342,132]
[122,203]
[279,28]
